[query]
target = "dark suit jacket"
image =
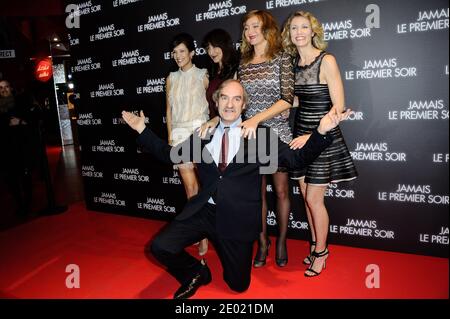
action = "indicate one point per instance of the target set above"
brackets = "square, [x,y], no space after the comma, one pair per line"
[238,188]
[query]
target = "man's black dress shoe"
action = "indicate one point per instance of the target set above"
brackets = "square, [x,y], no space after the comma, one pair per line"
[187,290]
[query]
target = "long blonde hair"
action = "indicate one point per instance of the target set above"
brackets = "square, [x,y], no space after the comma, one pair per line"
[271,33]
[318,39]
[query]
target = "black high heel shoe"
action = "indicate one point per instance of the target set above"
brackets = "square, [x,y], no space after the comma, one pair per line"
[307,260]
[281,262]
[261,255]
[311,272]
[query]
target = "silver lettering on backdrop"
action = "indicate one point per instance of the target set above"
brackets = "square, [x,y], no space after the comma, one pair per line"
[91,172]
[220,9]
[422,110]
[441,238]
[430,20]
[376,152]
[414,194]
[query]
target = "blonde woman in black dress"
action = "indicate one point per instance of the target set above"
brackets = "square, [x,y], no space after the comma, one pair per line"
[319,89]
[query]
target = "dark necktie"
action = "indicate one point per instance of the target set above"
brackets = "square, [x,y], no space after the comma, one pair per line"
[224,150]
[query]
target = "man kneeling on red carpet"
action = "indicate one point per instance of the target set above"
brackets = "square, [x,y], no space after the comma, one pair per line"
[227,210]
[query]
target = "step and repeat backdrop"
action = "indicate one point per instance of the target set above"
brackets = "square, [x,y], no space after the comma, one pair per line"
[393,57]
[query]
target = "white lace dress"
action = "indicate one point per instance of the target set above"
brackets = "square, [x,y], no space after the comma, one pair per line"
[187,99]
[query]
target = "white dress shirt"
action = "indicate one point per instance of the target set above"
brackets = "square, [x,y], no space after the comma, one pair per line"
[234,142]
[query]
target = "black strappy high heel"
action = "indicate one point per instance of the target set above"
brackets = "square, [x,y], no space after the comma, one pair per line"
[307,260]
[311,272]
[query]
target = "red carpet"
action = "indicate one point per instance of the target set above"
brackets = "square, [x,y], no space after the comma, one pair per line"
[109,249]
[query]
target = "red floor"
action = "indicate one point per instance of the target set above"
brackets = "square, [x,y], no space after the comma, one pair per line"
[109,250]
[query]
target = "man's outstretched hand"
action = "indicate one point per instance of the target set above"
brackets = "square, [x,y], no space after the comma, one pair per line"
[331,120]
[137,123]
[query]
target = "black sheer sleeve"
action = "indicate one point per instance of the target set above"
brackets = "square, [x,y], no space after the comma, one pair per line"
[287,78]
